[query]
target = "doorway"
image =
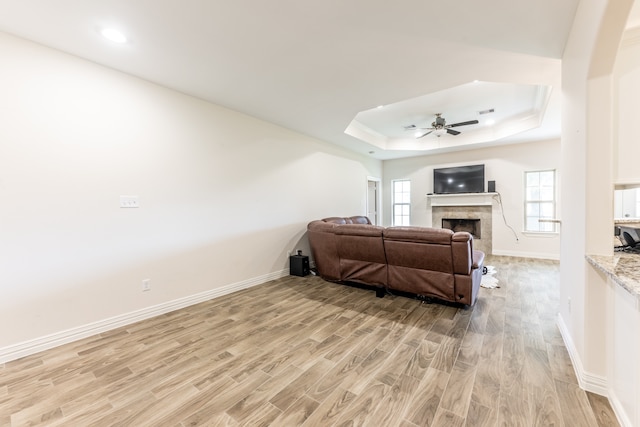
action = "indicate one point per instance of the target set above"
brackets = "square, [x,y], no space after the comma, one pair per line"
[373,200]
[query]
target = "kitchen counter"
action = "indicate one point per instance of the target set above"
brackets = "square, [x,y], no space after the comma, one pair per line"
[623,268]
[627,221]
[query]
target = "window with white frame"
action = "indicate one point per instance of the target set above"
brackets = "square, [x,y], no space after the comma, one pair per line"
[402,202]
[540,200]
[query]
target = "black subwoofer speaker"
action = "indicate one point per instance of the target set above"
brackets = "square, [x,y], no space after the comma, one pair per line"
[298,265]
[491,187]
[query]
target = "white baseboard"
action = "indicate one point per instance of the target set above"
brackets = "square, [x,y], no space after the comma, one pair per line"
[618,409]
[30,347]
[537,255]
[587,381]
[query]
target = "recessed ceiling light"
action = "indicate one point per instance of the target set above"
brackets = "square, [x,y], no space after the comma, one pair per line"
[490,122]
[380,106]
[114,35]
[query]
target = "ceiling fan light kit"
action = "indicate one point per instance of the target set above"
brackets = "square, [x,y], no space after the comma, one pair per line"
[440,127]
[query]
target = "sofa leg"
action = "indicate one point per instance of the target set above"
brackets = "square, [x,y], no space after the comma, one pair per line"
[380,292]
[425,299]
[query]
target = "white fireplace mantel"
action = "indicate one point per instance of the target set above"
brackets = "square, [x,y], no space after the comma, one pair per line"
[463,199]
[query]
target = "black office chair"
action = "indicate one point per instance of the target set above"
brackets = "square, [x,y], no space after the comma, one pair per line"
[628,240]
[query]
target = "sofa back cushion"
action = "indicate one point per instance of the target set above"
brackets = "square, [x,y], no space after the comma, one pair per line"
[418,247]
[358,219]
[361,253]
[335,220]
[419,261]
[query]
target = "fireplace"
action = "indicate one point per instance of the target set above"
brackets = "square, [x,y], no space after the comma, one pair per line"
[466,218]
[470,225]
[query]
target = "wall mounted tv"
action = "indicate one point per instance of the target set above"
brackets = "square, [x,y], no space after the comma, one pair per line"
[459,179]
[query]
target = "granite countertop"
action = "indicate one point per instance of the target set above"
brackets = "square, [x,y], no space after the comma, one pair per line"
[629,221]
[622,267]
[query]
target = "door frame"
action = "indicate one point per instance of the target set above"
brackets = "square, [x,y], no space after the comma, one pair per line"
[378,205]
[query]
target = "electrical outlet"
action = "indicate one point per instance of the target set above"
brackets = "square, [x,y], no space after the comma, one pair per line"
[288,254]
[146,285]
[569,304]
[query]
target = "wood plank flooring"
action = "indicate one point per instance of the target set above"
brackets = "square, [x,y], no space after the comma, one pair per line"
[305,352]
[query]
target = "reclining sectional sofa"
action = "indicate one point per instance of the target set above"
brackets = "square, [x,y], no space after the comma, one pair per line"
[429,262]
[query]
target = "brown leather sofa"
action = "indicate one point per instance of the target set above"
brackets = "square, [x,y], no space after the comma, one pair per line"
[429,262]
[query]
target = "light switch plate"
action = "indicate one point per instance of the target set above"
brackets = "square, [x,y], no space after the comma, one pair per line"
[129,202]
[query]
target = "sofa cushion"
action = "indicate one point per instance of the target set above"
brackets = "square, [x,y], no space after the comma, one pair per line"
[359,230]
[419,234]
[361,253]
[358,219]
[419,247]
[335,220]
[419,261]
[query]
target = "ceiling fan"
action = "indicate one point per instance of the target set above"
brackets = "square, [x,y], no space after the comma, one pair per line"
[440,127]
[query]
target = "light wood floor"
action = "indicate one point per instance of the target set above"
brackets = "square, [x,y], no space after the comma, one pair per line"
[301,351]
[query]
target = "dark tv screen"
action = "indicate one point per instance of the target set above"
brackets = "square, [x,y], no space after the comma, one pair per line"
[460,179]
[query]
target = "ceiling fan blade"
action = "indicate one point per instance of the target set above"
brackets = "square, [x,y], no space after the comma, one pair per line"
[453,132]
[470,122]
[424,134]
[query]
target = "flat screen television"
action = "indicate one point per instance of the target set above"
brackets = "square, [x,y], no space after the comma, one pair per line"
[459,179]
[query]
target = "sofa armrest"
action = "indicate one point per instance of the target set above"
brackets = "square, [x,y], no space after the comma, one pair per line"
[322,226]
[322,242]
[478,259]
[461,251]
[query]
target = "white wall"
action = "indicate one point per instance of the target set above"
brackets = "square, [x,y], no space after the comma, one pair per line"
[223,196]
[575,64]
[626,80]
[505,165]
[590,324]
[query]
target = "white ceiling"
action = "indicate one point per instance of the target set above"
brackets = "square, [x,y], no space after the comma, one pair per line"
[314,66]
[502,110]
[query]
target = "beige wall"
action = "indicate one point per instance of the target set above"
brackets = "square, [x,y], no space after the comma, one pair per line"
[223,196]
[505,165]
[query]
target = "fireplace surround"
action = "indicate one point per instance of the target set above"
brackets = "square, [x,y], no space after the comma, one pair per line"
[482,215]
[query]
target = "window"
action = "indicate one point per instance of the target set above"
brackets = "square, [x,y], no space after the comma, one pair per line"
[540,200]
[401,202]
